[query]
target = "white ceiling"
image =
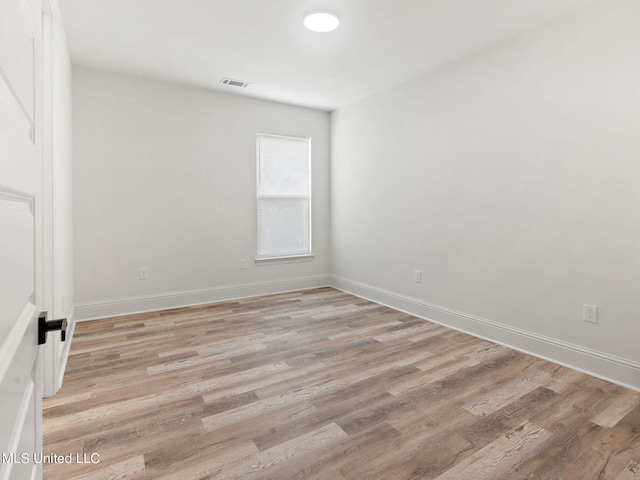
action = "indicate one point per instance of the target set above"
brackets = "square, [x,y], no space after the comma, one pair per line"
[380,43]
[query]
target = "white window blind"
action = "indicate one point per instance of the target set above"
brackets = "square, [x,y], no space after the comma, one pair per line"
[284,195]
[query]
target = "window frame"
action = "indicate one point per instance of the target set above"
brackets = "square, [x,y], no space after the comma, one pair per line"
[283,257]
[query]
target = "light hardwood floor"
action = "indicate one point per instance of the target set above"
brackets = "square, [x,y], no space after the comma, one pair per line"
[323,385]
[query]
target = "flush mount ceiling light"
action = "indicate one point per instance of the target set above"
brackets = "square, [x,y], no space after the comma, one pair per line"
[321,22]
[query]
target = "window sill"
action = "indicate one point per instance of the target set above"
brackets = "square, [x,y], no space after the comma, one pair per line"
[307,257]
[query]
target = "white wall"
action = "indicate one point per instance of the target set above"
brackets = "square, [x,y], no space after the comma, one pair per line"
[510,179]
[165,179]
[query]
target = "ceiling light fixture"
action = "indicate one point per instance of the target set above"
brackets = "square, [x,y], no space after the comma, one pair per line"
[321,22]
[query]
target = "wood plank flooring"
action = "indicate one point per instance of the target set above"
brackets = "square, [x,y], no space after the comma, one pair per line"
[322,385]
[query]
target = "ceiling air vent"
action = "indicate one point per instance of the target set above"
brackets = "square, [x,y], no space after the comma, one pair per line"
[234,83]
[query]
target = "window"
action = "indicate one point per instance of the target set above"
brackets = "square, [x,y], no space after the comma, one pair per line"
[283,196]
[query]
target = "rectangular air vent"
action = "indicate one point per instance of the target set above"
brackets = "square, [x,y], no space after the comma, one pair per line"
[234,83]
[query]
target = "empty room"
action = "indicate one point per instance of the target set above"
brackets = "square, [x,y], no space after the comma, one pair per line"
[320,239]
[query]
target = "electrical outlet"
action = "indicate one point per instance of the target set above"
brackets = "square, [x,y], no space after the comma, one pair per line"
[243,264]
[417,276]
[590,313]
[143,273]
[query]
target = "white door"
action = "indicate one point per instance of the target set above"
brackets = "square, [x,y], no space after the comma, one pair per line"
[20,244]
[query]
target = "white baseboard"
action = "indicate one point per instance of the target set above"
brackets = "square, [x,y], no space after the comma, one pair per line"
[149,303]
[608,367]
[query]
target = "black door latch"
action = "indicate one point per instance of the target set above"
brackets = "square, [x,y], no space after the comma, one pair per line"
[45,326]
